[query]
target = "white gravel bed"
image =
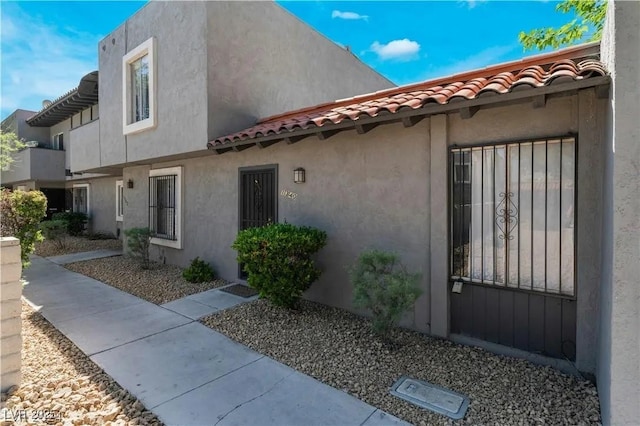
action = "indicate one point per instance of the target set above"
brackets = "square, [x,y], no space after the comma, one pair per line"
[48,248]
[337,348]
[159,284]
[62,384]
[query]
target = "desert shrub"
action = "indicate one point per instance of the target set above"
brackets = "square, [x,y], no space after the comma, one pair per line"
[20,216]
[277,259]
[75,221]
[198,272]
[138,242]
[55,231]
[383,286]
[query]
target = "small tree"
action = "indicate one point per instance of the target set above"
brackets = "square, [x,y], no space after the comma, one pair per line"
[9,143]
[21,215]
[139,241]
[590,16]
[383,286]
[277,258]
[55,231]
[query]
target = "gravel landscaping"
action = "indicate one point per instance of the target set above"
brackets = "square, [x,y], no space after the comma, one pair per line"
[59,381]
[159,284]
[337,348]
[48,248]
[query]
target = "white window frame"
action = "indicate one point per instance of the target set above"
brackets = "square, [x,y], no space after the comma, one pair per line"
[177,171]
[119,206]
[128,126]
[83,185]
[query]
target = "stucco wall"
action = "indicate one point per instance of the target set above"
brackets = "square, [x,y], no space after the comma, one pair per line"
[35,164]
[207,84]
[271,62]
[353,191]
[83,154]
[62,127]
[385,189]
[28,133]
[561,116]
[179,29]
[102,199]
[618,371]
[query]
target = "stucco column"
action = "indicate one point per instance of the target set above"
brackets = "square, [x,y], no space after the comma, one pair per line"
[619,345]
[588,223]
[438,240]
[10,309]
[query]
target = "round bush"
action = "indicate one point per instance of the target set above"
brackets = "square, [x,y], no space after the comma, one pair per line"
[277,259]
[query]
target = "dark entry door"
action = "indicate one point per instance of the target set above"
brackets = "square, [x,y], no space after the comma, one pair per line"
[56,199]
[258,199]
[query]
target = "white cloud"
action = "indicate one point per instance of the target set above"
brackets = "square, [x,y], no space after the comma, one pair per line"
[401,50]
[348,15]
[39,60]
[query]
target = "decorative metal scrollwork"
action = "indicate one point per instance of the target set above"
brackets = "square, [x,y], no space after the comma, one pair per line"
[506,216]
[257,193]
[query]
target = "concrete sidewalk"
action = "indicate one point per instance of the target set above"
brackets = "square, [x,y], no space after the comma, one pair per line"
[181,370]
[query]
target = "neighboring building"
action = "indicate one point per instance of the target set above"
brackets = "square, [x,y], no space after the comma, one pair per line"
[513,189]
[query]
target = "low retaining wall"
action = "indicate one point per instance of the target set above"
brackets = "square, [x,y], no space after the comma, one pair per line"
[10,309]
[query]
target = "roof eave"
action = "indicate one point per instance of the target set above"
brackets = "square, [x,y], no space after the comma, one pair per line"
[464,106]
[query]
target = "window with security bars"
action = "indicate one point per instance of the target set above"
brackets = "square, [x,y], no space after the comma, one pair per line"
[513,215]
[162,206]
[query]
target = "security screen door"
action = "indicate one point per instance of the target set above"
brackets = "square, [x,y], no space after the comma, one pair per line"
[258,202]
[512,244]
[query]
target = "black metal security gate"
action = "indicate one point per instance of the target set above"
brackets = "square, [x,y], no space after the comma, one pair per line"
[258,198]
[512,244]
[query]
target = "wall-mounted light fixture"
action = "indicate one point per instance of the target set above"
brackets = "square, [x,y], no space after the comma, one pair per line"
[298,175]
[130,184]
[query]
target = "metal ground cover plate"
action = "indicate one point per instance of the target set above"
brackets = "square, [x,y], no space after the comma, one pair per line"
[431,397]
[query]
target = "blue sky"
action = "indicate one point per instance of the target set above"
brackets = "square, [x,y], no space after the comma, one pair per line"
[47,47]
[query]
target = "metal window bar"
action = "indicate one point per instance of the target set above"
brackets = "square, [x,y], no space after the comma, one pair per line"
[162,206]
[506,215]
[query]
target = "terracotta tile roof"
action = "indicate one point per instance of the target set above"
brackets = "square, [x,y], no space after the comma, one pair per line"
[492,81]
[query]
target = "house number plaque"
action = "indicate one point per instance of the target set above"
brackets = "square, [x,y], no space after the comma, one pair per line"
[288,194]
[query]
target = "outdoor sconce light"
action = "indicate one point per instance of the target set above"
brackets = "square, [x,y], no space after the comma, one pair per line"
[298,175]
[130,184]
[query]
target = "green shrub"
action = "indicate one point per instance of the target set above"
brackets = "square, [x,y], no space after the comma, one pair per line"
[198,272]
[75,221]
[139,241]
[20,216]
[55,231]
[383,286]
[277,259]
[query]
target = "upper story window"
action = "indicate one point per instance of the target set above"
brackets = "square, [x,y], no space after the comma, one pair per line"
[138,88]
[58,142]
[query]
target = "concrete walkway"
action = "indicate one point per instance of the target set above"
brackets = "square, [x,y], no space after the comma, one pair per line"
[82,256]
[181,370]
